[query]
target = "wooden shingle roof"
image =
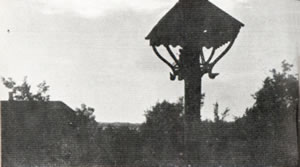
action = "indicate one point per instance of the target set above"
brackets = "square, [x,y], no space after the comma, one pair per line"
[195,21]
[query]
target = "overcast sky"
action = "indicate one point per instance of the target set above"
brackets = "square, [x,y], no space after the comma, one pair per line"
[94,52]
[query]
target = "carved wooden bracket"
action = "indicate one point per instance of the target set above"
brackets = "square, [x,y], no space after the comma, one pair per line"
[206,66]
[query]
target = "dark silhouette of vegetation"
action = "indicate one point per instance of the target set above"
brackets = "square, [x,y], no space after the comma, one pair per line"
[264,136]
[163,132]
[23,91]
[217,116]
[271,121]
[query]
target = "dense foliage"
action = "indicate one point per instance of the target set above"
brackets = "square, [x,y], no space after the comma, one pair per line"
[270,124]
[264,136]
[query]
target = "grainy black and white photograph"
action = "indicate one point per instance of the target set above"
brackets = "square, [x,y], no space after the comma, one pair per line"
[149,83]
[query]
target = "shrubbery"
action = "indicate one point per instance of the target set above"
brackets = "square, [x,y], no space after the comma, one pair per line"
[264,136]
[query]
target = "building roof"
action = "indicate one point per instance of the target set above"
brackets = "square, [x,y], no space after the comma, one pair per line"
[32,116]
[195,21]
[37,109]
[36,131]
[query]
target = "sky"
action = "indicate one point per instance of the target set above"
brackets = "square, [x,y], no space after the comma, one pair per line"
[95,52]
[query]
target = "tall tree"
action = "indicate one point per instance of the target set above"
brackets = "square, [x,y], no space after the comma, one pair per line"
[270,124]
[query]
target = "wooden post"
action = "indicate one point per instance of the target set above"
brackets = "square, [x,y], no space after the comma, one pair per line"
[0,135]
[192,83]
[298,132]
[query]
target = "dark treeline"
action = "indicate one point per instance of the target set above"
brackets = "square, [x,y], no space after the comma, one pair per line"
[264,136]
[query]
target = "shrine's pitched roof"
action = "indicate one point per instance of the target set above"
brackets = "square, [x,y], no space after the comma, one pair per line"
[195,21]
